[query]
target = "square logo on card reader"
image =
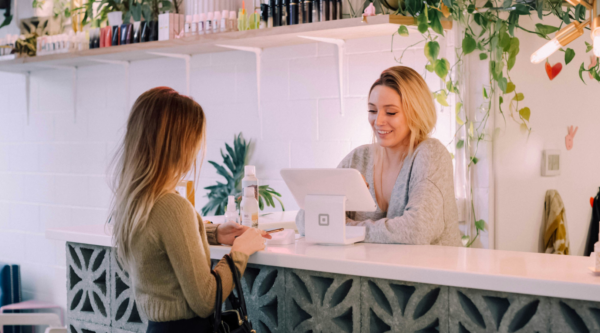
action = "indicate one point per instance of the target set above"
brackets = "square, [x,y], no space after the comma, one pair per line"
[323,219]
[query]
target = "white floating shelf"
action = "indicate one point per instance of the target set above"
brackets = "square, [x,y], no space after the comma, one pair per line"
[380,25]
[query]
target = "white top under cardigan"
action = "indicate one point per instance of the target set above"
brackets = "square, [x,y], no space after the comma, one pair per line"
[422,207]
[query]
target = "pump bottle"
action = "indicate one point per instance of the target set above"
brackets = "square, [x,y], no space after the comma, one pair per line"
[231,215]
[250,179]
[249,208]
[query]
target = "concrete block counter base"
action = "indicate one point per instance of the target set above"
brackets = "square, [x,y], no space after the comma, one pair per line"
[282,300]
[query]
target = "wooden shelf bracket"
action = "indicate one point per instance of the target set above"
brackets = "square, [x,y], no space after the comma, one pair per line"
[73,70]
[125,65]
[187,59]
[258,53]
[341,46]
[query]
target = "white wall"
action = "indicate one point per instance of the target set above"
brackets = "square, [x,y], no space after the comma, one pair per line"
[556,104]
[52,169]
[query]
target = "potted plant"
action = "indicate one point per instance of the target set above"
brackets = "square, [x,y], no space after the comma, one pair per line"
[6,5]
[150,10]
[233,172]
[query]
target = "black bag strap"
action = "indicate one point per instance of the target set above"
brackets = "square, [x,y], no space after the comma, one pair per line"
[240,302]
[218,303]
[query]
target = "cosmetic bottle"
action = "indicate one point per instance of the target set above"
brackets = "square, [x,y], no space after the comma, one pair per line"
[201,23]
[216,22]
[194,24]
[315,10]
[339,9]
[97,37]
[294,15]
[250,179]
[264,15]
[255,21]
[231,215]
[249,207]
[123,33]
[241,21]
[597,254]
[271,18]
[232,21]
[307,11]
[208,23]
[325,10]
[278,13]
[333,5]
[284,12]
[188,25]
[224,20]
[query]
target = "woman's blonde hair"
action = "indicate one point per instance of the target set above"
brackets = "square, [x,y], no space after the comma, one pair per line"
[165,132]
[415,98]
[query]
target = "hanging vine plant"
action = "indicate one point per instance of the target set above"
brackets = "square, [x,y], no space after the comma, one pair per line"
[489,31]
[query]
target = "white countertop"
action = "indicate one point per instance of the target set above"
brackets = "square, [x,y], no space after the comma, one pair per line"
[505,271]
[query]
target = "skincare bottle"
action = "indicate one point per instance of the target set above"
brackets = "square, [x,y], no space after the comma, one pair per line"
[277,14]
[325,10]
[315,11]
[231,214]
[188,25]
[339,9]
[194,25]
[217,22]
[271,19]
[308,11]
[294,15]
[285,12]
[333,5]
[249,207]
[264,15]
[232,21]
[224,20]
[250,179]
[201,24]
[208,23]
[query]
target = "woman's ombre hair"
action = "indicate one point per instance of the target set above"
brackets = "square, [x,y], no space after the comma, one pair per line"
[415,98]
[165,133]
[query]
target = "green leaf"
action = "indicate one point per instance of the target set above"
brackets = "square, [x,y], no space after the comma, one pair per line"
[505,41]
[471,9]
[450,86]
[579,12]
[441,98]
[414,7]
[403,31]
[519,97]
[545,30]
[525,113]
[435,23]
[423,27]
[441,68]
[6,21]
[488,4]
[480,225]
[540,8]
[485,95]
[502,83]
[510,87]
[581,70]
[449,3]
[430,67]
[569,55]
[474,160]
[501,99]
[483,56]
[460,144]
[522,9]
[510,63]
[468,44]
[506,3]
[588,47]
[432,50]
[457,112]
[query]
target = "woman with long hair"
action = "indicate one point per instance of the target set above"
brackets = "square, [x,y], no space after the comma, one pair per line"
[408,173]
[159,237]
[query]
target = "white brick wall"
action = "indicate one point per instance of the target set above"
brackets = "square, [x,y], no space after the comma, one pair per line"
[52,169]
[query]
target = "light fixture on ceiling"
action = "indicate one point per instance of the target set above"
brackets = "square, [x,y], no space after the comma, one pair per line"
[572,32]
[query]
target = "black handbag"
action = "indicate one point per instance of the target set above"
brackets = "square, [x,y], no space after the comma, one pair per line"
[236,319]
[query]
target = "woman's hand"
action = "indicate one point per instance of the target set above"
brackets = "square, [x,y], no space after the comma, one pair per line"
[228,231]
[250,241]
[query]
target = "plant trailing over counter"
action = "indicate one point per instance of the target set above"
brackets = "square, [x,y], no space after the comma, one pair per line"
[488,30]
[233,171]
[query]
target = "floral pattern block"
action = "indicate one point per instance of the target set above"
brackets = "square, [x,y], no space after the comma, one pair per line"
[571,316]
[321,302]
[395,306]
[76,326]
[124,311]
[88,283]
[482,311]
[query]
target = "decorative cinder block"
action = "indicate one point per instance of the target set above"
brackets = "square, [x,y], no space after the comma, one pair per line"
[76,326]
[475,311]
[571,316]
[125,314]
[321,302]
[118,330]
[88,283]
[396,306]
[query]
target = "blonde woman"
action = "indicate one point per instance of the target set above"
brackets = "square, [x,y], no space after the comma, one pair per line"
[159,237]
[408,173]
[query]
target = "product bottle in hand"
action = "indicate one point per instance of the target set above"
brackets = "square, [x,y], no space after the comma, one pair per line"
[231,215]
[250,179]
[249,208]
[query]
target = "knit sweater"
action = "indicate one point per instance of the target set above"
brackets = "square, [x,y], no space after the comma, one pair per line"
[171,267]
[422,207]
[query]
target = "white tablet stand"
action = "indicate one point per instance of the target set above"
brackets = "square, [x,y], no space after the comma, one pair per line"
[325,195]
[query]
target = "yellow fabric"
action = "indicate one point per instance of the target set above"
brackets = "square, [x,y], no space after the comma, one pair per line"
[556,238]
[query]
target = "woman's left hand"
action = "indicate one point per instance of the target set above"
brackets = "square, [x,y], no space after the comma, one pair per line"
[228,231]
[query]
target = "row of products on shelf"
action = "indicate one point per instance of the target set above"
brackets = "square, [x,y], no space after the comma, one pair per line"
[7,44]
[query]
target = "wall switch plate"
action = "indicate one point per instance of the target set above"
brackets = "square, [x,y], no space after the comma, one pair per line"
[551,162]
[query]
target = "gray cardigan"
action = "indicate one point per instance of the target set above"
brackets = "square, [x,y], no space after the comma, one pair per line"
[422,207]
